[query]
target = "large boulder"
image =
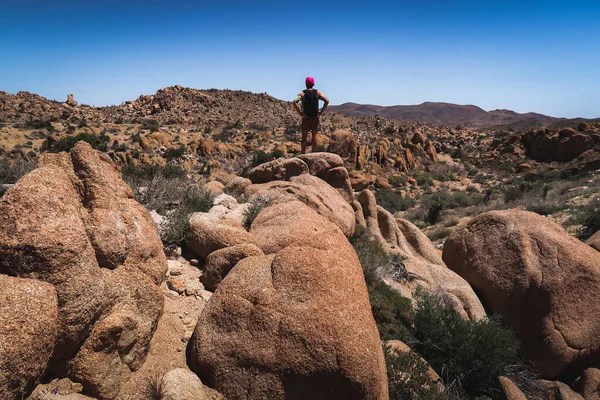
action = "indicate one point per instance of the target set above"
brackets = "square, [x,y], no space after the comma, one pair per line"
[315,193]
[330,168]
[343,143]
[510,391]
[209,232]
[291,325]
[594,241]
[557,390]
[74,224]
[280,169]
[183,384]
[28,328]
[540,279]
[424,267]
[588,384]
[220,262]
[280,225]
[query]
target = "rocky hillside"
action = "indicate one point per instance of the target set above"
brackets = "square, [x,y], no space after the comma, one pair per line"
[449,114]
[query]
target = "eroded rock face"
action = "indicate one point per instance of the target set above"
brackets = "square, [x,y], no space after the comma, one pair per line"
[588,384]
[315,193]
[220,262]
[208,233]
[28,328]
[281,225]
[420,258]
[294,324]
[511,391]
[594,241]
[73,223]
[540,279]
[281,169]
[183,384]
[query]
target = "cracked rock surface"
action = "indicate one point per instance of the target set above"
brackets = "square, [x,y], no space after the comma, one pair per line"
[540,279]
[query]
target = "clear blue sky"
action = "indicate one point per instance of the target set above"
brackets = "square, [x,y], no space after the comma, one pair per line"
[541,56]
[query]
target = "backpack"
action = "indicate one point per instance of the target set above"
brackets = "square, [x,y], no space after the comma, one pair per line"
[310,103]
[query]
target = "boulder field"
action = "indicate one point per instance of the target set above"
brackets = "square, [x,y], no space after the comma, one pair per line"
[92,309]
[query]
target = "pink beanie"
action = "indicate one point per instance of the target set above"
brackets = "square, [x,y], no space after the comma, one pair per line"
[310,80]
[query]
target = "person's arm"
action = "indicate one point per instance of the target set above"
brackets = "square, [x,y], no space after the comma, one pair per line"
[325,100]
[297,101]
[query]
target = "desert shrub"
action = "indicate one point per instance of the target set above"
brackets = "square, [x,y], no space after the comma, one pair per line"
[277,153]
[472,189]
[439,233]
[173,230]
[11,172]
[196,199]
[397,180]
[159,188]
[452,221]
[422,178]
[260,157]
[473,353]
[512,193]
[37,124]
[588,217]
[98,142]
[154,388]
[174,153]
[256,205]
[546,207]
[392,312]
[375,261]
[82,123]
[393,201]
[408,378]
[150,124]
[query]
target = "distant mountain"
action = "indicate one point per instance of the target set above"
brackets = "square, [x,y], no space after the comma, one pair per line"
[444,114]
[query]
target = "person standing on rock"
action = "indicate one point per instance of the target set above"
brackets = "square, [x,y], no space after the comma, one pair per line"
[309,111]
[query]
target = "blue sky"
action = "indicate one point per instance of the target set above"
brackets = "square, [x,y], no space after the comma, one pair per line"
[541,56]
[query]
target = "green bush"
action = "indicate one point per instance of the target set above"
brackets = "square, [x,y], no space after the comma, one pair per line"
[393,201]
[472,353]
[256,206]
[150,124]
[439,233]
[422,178]
[392,312]
[375,261]
[11,172]
[174,153]
[588,217]
[98,142]
[408,378]
[397,180]
[174,230]
[261,157]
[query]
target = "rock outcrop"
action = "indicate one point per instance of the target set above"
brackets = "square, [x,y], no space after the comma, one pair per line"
[424,267]
[588,384]
[540,279]
[293,324]
[209,232]
[220,262]
[28,328]
[510,390]
[73,223]
[312,191]
[594,241]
